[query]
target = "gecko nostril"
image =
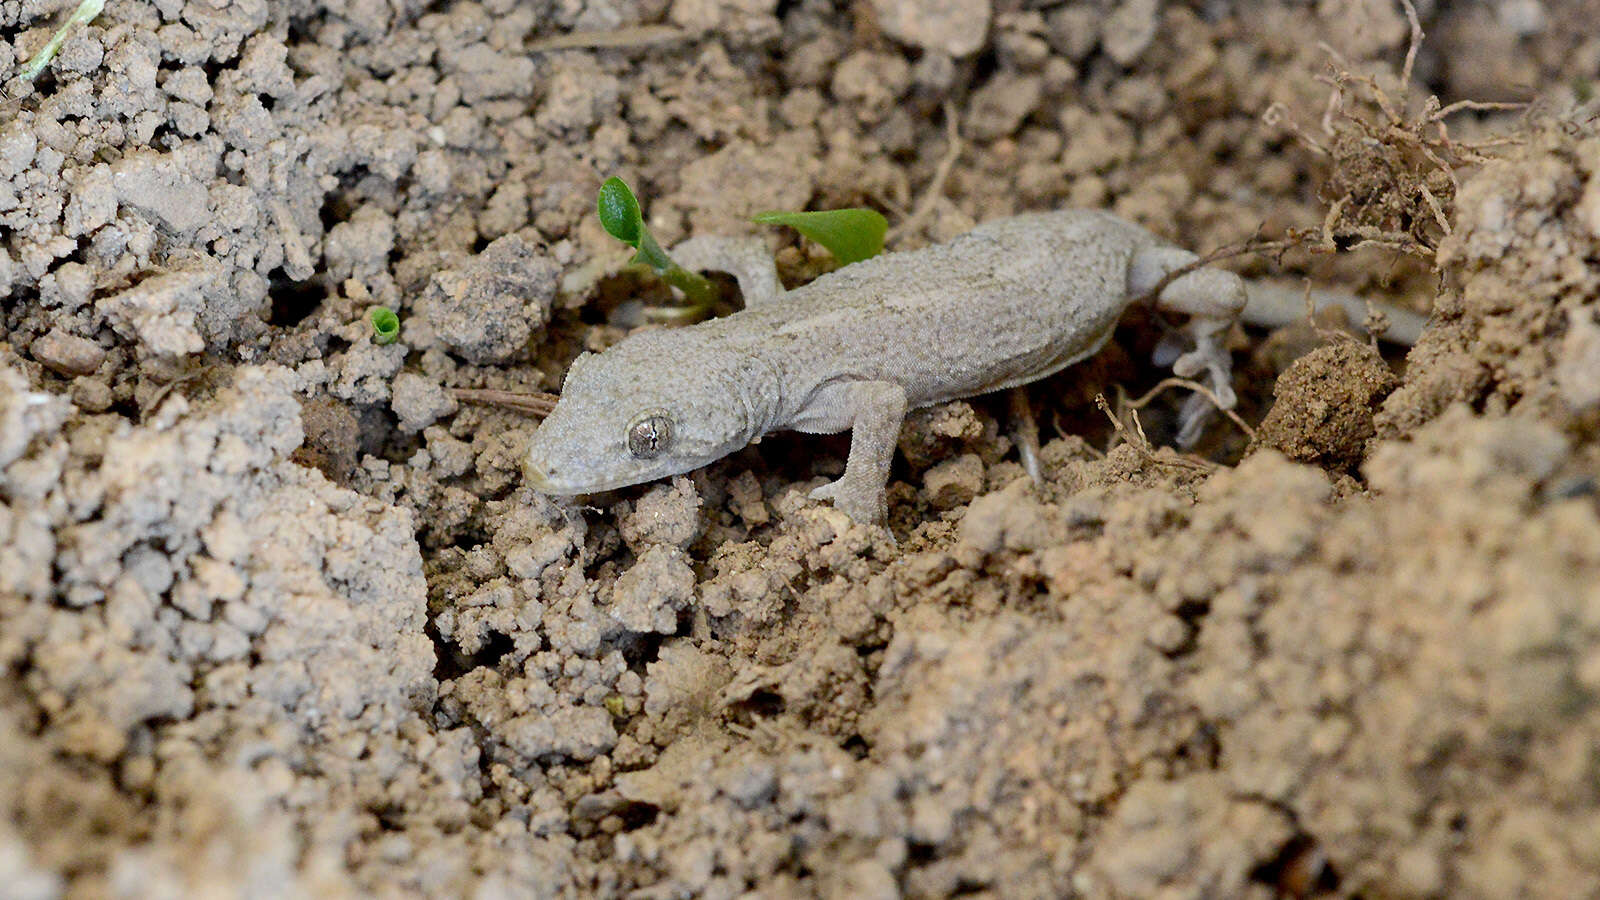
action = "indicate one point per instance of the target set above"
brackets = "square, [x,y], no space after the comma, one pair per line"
[537,478]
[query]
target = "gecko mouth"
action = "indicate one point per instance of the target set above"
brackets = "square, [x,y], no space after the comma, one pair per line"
[550,482]
[541,482]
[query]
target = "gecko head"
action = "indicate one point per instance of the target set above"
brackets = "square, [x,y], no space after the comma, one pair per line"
[650,407]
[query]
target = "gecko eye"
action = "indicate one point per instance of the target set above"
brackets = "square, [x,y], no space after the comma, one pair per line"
[650,434]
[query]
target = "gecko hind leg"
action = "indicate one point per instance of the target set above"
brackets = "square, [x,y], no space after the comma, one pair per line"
[1210,359]
[1213,300]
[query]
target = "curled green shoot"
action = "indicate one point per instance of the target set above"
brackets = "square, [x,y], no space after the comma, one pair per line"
[385,325]
[83,15]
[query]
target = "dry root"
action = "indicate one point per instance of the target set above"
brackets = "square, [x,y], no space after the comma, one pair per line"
[1393,177]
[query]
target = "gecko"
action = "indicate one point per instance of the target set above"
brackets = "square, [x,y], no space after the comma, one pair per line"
[1011,301]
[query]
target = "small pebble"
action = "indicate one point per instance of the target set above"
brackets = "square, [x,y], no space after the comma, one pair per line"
[68,354]
[91,395]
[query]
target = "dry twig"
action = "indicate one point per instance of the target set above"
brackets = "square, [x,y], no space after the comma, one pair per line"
[1254,245]
[1134,436]
[1188,383]
[941,173]
[534,404]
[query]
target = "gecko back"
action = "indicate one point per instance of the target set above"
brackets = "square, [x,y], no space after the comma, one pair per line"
[1004,304]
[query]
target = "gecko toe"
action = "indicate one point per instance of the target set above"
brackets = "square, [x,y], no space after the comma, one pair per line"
[852,501]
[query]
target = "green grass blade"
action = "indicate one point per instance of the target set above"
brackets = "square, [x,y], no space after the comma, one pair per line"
[85,13]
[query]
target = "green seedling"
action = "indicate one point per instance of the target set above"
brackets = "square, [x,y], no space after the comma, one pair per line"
[385,325]
[83,15]
[851,235]
[621,218]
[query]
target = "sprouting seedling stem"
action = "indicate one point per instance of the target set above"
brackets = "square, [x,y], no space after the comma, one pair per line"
[83,15]
[621,218]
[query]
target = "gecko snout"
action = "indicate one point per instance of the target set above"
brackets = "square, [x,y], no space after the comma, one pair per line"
[536,478]
[554,480]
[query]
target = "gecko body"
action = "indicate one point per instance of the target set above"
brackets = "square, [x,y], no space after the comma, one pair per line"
[1010,302]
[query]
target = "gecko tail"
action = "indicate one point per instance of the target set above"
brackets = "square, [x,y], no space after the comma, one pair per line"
[1276,302]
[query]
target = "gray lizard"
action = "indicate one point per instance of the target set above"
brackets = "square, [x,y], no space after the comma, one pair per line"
[1010,302]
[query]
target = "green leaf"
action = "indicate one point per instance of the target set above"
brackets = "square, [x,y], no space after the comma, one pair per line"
[619,212]
[385,325]
[851,235]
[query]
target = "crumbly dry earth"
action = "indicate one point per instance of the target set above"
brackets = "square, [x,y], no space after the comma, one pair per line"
[277,617]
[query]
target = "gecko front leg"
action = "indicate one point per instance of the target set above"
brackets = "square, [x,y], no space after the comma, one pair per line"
[874,411]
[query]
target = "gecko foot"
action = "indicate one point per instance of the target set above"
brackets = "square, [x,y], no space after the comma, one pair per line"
[857,501]
[1210,359]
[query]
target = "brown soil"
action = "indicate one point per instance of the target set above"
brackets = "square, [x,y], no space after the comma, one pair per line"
[278,617]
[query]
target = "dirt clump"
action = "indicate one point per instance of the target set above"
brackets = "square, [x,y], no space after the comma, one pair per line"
[1517,335]
[1325,405]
